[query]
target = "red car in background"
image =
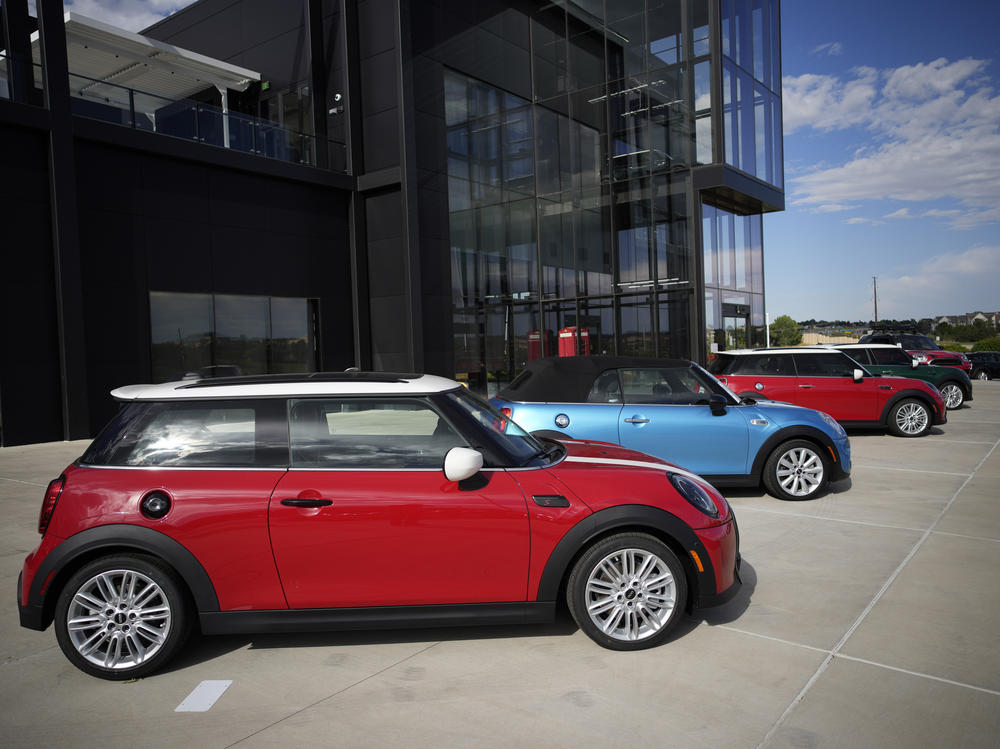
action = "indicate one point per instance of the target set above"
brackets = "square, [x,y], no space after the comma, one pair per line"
[921,348]
[830,381]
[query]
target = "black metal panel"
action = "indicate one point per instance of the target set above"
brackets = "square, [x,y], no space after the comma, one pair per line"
[29,377]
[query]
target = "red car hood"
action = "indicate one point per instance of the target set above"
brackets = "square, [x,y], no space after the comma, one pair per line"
[603,474]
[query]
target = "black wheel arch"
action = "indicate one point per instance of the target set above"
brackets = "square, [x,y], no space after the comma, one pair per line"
[76,551]
[798,432]
[668,528]
[919,395]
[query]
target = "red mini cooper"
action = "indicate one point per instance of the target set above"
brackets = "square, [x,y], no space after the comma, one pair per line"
[831,381]
[356,500]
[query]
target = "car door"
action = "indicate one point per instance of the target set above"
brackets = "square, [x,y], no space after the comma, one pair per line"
[365,516]
[666,414]
[825,381]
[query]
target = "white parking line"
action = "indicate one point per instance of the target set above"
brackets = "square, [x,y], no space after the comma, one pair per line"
[878,596]
[203,696]
[18,481]
[747,508]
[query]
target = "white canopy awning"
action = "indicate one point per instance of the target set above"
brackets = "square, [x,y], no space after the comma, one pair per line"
[108,54]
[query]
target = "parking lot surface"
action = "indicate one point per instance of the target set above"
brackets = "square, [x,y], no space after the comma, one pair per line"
[868,618]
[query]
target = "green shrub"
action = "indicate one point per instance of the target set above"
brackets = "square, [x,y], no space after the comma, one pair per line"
[987,344]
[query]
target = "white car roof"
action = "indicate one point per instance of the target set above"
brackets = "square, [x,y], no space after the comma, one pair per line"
[867,345]
[290,386]
[790,350]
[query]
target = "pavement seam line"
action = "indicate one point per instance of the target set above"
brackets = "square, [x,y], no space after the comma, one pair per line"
[867,662]
[18,481]
[742,509]
[914,470]
[335,694]
[918,673]
[871,605]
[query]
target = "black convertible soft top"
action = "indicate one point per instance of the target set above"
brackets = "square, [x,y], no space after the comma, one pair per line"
[568,379]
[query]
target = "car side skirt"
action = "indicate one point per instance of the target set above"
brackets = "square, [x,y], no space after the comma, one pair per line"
[375,617]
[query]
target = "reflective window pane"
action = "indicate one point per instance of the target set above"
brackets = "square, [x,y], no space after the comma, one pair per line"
[181,327]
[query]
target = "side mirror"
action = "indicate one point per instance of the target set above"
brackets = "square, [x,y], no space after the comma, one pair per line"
[914,363]
[461,463]
[717,403]
[858,375]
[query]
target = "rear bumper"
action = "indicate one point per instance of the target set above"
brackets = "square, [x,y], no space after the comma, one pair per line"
[31,616]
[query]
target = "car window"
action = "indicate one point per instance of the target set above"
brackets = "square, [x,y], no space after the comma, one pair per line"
[368,433]
[861,355]
[894,356]
[764,364]
[824,365]
[666,385]
[184,434]
[606,388]
[918,343]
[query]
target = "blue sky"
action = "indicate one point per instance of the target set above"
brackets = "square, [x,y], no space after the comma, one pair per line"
[892,161]
[892,155]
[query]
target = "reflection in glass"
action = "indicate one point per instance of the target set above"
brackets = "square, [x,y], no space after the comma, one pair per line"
[181,327]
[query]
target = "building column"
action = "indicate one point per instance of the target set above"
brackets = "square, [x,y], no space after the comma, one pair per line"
[65,223]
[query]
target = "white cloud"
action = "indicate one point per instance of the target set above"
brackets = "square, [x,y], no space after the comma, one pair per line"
[961,279]
[934,132]
[861,220]
[901,213]
[833,49]
[131,15]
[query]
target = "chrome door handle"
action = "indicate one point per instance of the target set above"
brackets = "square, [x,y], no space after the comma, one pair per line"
[636,421]
[807,386]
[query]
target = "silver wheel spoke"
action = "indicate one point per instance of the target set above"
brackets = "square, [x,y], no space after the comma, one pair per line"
[82,623]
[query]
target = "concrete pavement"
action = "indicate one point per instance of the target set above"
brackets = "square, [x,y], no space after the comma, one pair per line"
[869,618]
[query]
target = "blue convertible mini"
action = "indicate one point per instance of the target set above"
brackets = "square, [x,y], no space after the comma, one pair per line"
[677,411]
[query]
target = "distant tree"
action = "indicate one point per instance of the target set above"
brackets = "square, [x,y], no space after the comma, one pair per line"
[926,325]
[944,329]
[785,332]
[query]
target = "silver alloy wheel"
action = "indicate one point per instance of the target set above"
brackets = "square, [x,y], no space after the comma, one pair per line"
[800,471]
[118,619]
[983,375]
[912,418]
[952,395]
[630,594]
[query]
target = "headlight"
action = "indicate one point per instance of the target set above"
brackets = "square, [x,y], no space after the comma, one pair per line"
[833,423]
[693,493]
[922,358]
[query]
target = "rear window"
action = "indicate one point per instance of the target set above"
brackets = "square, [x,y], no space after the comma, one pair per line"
[194,434]
[764,363]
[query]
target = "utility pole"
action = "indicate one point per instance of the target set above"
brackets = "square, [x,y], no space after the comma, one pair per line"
[875,289]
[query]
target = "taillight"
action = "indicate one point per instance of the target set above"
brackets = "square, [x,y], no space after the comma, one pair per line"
[49,503]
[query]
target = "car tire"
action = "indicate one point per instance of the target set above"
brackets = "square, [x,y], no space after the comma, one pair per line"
[982,374]
[910,418]
[121,617]
[952,394]
[627,591]
[797,469]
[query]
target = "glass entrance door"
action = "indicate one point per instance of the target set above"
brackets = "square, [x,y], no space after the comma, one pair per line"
[736,331]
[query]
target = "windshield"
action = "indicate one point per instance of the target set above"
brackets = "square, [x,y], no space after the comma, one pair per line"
[504,435]
[919,343]
[716,384]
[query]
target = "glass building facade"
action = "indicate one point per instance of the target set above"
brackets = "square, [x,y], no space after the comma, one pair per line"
[574,222]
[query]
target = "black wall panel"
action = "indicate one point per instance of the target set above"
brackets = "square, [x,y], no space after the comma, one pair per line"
[29,365]
[168,225]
